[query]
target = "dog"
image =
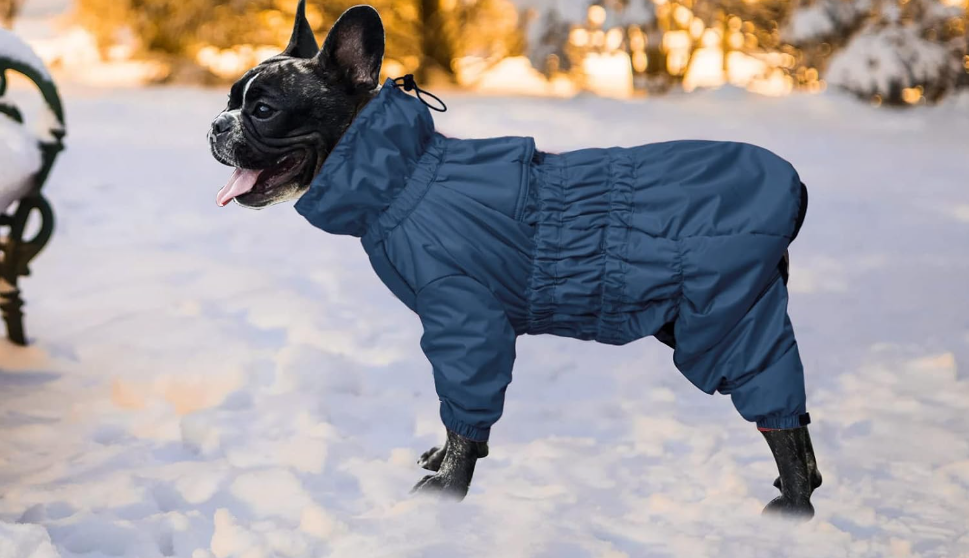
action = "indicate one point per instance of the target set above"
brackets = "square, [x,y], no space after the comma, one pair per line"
[487,240]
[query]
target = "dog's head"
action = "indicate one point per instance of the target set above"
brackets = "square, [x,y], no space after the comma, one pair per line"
[286,114]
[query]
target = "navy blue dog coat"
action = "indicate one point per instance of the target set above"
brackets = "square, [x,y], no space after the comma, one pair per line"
[489,239]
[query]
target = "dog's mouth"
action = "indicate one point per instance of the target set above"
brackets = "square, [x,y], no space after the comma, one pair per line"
[262,181]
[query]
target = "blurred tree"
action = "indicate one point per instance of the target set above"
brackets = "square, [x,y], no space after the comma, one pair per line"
[565,32]
[897,50]
[8,12]
[890,51]
[641,40]
[817,28]
[484,28]
[422,35]
[547,33]
[744,26]
[437,40]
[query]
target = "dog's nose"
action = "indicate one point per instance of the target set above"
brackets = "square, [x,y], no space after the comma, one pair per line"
[222,123]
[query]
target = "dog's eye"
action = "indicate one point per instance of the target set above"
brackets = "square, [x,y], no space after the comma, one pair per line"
[263,110]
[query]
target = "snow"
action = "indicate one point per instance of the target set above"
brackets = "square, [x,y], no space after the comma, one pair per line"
[877,58]
[705,69]
[822,19]
[20,159]
[214,382]
[513,75]
[13,48]
[20,156]
[809,23]
[608,74]
[25,541]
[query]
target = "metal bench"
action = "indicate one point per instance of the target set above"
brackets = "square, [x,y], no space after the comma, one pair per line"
[16,252]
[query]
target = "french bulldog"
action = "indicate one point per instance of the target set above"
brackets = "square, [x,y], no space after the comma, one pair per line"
[288,114]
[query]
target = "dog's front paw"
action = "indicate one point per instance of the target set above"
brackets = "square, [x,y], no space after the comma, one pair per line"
[432,458]
[453,465]
[443,486]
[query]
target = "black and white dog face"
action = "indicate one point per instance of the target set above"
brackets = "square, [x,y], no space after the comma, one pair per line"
[286,114]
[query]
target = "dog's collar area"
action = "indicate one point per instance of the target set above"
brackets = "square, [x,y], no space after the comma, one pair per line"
[354,187]
[407,83]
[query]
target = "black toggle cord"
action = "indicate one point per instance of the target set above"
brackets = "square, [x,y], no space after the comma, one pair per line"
[407,82]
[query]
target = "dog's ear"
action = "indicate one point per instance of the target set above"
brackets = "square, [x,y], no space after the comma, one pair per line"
[302,44]
[354,48]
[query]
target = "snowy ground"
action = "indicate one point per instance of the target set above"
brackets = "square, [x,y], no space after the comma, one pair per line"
[210,382]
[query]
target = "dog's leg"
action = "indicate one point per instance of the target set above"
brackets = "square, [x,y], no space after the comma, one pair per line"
[799,475]
[454,464]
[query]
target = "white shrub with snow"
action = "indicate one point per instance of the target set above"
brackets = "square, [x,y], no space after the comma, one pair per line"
[884,61]
[822,20]
[808,24]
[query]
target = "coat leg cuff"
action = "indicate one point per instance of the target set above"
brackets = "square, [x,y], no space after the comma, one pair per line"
[473,433]
[783,423]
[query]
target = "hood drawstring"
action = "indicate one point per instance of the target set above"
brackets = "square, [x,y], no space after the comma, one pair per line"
[408,84]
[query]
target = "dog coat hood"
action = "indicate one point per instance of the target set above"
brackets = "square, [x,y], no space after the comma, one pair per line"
[490,239]
[370,164]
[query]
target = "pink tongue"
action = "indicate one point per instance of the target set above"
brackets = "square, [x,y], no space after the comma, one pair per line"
[241,181]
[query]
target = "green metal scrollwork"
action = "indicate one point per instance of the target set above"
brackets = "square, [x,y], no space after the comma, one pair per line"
[17,251]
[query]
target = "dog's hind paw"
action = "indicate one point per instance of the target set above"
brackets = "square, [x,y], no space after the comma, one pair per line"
[786,508]
[442,486]
[432,458]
